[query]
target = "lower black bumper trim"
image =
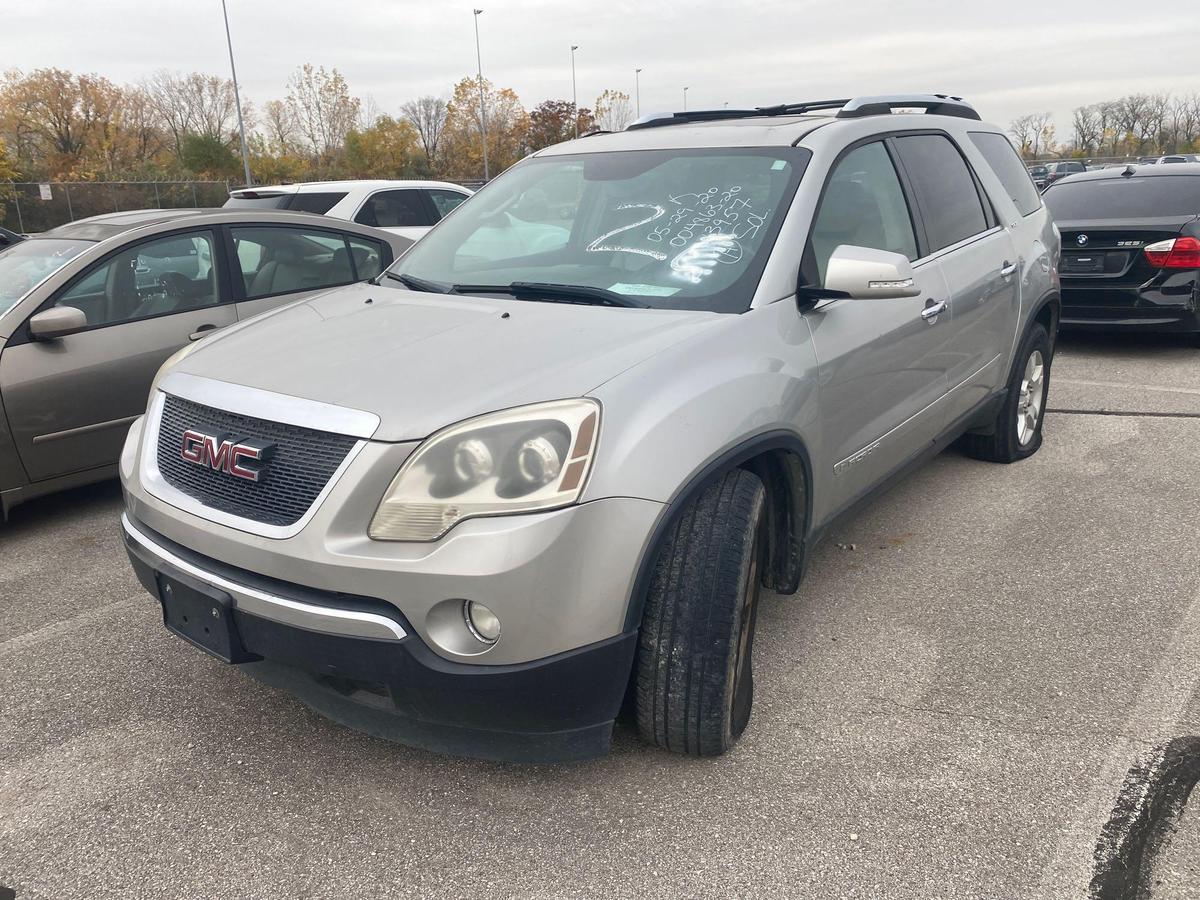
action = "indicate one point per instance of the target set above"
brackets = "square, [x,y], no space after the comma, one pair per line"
[557,709]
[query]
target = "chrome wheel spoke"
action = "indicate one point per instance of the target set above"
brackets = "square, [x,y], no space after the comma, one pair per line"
[1032,397]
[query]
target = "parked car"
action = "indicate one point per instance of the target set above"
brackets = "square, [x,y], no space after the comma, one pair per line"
[1057,170]
[1039,174]
[406,208]
[1131,248]
[1178,158]
[465,506]
[89,311]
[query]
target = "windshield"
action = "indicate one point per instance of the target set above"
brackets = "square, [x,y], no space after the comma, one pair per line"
[1152,196]
[676,229]
[24,265]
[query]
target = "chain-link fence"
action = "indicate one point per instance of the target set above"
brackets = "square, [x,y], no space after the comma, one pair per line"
[30,207]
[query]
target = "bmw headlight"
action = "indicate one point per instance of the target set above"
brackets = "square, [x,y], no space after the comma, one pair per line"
[520,460]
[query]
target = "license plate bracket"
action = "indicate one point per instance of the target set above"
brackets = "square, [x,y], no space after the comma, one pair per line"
[203,616]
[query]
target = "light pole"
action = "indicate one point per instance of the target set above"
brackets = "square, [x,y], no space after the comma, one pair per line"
[637,91]
[237,100]
[482,111]
[574,95]
[685,90]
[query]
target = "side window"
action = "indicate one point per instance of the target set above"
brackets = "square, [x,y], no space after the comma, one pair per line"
[368,257]
[286,260]
[1003,159]
[394,209]
[863,206]
[154,278]
[444,201]
[946,192]
[315,203]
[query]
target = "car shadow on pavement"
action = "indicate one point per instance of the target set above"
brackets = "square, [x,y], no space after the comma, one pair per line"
[100,499]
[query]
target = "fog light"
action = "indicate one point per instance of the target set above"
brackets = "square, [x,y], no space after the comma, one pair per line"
[482,621]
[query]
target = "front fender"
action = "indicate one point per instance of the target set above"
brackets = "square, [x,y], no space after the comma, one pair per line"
[673,414]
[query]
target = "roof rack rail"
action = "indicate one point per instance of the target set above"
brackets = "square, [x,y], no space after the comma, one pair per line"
[850,108]
[933,104]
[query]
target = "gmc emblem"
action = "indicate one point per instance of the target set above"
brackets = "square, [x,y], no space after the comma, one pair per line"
[241,459]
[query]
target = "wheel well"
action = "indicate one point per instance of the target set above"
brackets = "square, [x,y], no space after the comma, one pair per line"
[1047,315]
[785,478]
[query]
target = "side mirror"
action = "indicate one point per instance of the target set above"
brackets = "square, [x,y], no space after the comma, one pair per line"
[59,321]
[867,274]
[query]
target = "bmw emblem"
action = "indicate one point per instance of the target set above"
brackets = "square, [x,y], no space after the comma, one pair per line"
[1082,240]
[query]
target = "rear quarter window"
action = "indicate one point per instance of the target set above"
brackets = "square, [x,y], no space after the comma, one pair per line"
[1003,160]
[319,203]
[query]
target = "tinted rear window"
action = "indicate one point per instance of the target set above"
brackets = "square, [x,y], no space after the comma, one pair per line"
[319,203]
[1008,167]
[946,191]
[315,203]
[1155,196]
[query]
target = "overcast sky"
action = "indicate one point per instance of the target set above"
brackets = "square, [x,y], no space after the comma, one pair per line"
[1008,57]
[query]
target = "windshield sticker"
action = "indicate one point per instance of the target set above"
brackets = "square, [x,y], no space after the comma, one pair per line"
[646,290]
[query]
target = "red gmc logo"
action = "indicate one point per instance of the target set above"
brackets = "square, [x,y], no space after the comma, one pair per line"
[241,459]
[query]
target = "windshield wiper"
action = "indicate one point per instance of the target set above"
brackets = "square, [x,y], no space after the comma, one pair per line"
[417,284]
[553,293]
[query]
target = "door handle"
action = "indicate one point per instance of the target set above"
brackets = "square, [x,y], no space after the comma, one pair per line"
[1008,269]
[932,310]
[202,331]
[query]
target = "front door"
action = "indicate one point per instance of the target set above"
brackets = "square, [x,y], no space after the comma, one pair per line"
[882,363]
[70,401]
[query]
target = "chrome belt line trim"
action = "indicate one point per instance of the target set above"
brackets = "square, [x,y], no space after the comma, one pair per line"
[84,429]
[260,404]
[350,623]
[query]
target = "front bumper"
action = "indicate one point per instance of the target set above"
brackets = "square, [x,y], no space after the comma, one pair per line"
[358,661]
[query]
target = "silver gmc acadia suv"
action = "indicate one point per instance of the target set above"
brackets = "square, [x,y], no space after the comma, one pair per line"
[541,468]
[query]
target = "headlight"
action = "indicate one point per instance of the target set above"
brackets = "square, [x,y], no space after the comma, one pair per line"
[530,458]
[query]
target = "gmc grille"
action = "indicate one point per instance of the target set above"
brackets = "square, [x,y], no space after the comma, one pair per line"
[301,465]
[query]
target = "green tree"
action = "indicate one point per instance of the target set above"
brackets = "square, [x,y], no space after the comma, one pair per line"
[208,156]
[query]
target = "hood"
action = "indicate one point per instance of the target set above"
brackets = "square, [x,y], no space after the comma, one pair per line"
[423,361]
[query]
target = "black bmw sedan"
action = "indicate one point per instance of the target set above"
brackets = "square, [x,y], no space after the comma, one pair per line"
[1131,248]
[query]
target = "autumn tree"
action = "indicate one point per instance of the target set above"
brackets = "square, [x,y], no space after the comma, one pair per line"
[613,111]
[388,149]
[428,116]
[195,104]
[507,130]
[323,110]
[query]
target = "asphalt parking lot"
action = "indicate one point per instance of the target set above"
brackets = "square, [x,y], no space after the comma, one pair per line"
[948,708]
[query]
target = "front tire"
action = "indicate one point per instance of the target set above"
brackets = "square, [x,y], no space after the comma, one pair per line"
[695,680]
[1017,431]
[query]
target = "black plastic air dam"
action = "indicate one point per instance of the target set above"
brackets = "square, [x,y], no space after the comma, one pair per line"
[558,709]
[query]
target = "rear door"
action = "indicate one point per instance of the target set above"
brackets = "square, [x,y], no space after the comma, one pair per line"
[277,264]
[979,262]
[883,366]
[70,401]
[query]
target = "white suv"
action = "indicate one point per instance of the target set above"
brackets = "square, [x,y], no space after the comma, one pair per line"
[407,208]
